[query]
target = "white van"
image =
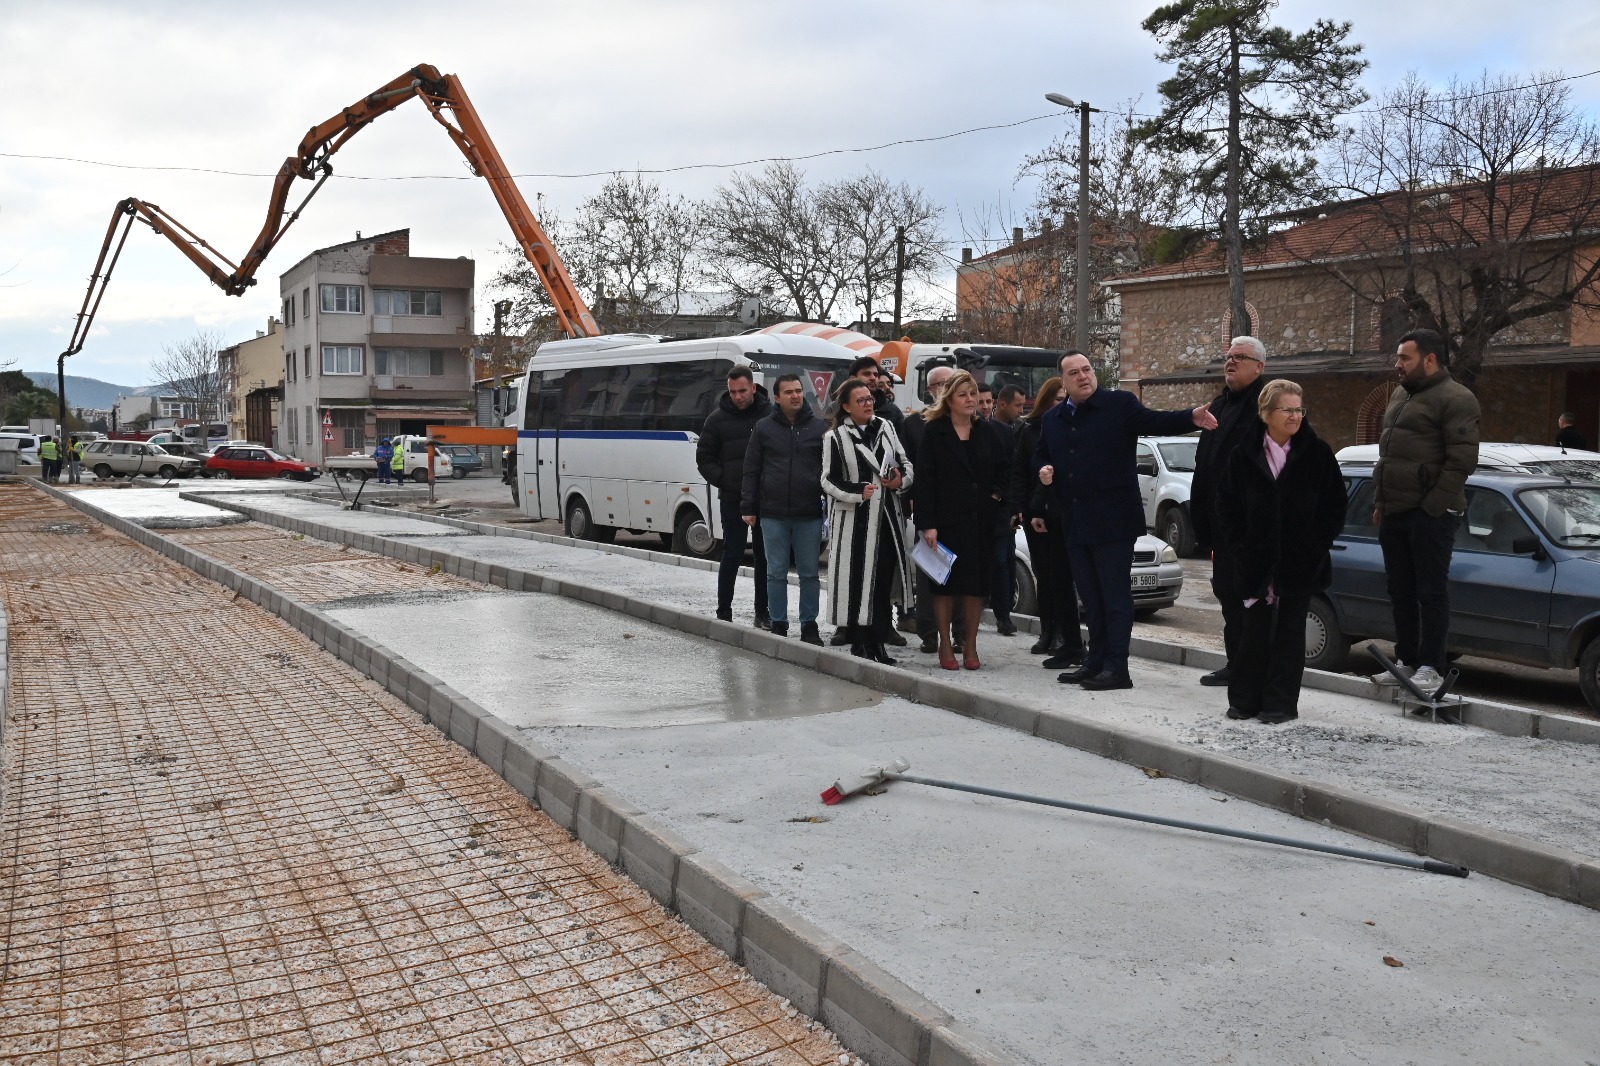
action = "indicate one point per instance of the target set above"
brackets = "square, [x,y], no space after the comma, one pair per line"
[27,445]
[607,428]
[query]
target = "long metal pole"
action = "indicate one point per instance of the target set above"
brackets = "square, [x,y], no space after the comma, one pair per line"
[1432,866]
[1082,268]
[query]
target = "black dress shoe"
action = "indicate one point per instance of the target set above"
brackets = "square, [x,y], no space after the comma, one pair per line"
[1105,681]
[1047,636]
[892,636]
[1217,678]
[1073,677]
[880,653]
[725,614]
[1005,626]
[810,634]
[930,646]
[1071,657]
[1276,719]
[841,637]
[763,620]
[1240,715]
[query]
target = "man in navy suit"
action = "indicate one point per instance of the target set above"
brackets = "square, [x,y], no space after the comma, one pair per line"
[1086,451]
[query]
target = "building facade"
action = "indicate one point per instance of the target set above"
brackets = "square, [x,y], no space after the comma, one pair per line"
[375,342]
[250,372]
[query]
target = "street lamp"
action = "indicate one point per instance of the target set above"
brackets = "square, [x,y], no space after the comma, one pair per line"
[1082,271]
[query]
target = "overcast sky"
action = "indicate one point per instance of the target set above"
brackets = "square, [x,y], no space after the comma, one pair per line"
[563,88]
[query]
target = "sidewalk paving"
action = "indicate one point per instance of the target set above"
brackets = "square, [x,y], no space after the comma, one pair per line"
[1060,937]
[1535,788]
[219,844]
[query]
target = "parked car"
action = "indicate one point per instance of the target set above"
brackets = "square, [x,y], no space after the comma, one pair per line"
[112,458]
[189,451]
[464,458]
[1157,576]
[1524,577]
[254,461]
[1529,458]
[1166,470]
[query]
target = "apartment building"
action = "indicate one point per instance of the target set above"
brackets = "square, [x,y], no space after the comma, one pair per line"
[251,376]
[375,342]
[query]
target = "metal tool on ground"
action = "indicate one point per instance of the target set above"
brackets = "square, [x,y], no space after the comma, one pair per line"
[875,775]
[1438,705]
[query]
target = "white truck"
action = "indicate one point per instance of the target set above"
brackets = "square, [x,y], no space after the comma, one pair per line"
[363,466]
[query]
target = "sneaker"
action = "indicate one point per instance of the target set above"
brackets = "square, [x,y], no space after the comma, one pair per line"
[1427,679]
[1384,677]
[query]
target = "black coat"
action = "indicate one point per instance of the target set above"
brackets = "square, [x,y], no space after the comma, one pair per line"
[1024,494]
[1236,417]
[1097,483]
[719,454]
[783,467]
[1279,531]
[957,481]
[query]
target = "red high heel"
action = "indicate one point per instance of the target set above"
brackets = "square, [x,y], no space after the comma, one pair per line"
[948,662]
[972,663]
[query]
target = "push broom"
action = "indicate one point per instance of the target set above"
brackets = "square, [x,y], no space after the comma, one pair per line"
[871,776]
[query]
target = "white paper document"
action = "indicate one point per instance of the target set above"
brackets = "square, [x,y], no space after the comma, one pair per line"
[935,562]
[887,464]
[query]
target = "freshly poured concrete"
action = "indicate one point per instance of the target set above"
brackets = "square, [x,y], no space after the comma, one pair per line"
[158,508]
[547,660]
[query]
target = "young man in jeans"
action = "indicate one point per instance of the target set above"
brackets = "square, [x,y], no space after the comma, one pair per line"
[1428,447]
[720,458]
[783,492]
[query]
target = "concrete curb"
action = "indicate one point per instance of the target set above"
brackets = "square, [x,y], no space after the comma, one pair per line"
[1503,718]
[790,955]
[1553,871]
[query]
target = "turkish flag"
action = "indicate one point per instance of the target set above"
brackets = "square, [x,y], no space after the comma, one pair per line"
[820,380]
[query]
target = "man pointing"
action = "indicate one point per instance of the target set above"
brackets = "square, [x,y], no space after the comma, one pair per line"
[1086,451]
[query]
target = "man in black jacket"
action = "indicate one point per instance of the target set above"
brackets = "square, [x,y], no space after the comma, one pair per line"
[720,457]
[867,369]
[1235,412]
[782,497]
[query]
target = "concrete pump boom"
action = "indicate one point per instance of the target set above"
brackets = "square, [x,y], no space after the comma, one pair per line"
[445,100]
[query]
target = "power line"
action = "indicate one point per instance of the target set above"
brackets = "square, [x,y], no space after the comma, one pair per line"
[583,174]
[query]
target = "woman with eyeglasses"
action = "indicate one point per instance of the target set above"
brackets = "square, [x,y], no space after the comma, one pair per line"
[1280,504]
[864,467]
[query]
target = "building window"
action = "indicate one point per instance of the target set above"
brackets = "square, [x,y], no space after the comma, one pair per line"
[409,362]
[311,428]
[308,361]
[1251,328]
[305,301]
[342,359]
[407,302]
[288,311]
[349,430]
[342,299]
[293,426]
[288,366]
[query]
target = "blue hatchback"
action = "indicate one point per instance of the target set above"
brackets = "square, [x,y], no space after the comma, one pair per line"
[1524,577]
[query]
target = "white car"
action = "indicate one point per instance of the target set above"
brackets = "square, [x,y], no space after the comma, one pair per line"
[1544,459]
[1157,576]
[1166,471]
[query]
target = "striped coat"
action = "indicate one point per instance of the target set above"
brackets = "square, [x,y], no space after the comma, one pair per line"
[849,464]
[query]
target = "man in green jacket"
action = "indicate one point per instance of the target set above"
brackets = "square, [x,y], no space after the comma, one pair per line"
[1428,447]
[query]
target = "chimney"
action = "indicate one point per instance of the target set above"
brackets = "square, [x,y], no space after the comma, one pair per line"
[966,255]
[1016,235]
[1047,225]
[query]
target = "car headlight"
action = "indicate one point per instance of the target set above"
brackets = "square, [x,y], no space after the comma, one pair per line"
[1169,555]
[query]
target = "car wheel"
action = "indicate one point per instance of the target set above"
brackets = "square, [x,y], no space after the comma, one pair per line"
[691,536]
[516,493]
[580,522]
[420,476]
[1589,674]
[223,475]
[458,473]
[1326,645]
[1026,598]
[1174,528]
[168,473]
[103,472]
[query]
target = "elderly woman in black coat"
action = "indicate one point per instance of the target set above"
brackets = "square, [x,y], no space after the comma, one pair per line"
[961,483]
[1280,504]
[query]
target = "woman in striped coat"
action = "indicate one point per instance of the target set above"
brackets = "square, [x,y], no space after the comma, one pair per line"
[864,469]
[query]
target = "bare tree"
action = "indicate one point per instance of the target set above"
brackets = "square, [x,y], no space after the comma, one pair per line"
[1017,293]
[771,233]
[189,369]
[869,211]
[1470,209]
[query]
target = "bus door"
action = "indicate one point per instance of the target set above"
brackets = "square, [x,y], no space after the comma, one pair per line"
[537,468]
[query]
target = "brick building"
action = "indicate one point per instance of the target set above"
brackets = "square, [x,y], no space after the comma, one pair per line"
[377,339]
[1339,342]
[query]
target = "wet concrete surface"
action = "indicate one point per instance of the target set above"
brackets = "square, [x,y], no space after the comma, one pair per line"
[540,660]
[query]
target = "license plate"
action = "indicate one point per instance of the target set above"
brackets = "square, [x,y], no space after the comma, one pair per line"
[1146,581]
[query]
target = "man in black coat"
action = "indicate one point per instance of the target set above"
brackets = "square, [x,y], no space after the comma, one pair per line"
[719,455]
[1086,450]
[1568,435]
[1235,412]
[782,499]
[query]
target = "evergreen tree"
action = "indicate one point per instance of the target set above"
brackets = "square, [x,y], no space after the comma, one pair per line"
[1247,108]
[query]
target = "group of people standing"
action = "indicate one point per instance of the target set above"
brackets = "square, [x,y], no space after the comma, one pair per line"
[52,454]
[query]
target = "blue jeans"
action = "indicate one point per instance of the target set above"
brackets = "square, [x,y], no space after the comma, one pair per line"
[796,541]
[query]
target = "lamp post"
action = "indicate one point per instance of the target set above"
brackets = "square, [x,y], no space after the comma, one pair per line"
[1081,271]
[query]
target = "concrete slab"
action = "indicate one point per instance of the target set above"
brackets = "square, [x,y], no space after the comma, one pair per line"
[158,509]
[548,660]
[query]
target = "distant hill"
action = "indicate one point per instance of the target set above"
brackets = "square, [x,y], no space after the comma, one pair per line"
[87,392]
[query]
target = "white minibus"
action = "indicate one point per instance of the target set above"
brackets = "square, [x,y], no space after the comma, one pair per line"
[607,428]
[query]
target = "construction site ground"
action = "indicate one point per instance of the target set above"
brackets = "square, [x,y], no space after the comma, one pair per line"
[219,844]
[1058,937]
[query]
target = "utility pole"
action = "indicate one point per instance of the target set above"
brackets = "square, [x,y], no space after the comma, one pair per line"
[502,308]
[899,275]
[1081,271]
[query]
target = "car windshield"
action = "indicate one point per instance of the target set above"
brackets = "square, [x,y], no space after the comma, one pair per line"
[1179,455]
[1571,469]
[1569,514]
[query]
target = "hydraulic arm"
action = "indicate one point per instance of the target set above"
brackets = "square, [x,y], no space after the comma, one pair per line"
[448,103]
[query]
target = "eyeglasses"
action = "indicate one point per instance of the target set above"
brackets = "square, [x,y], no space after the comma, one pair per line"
[863,401]
[1292,412]
[1237,357]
